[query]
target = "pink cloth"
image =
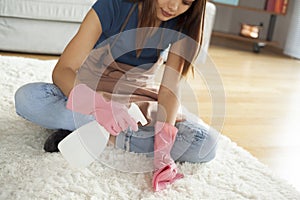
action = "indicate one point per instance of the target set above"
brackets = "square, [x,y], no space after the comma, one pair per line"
[113,116]
[166,171]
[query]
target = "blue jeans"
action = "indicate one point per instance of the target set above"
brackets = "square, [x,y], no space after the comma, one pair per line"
[44,104]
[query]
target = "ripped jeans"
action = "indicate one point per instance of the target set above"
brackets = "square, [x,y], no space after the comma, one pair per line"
[44,104]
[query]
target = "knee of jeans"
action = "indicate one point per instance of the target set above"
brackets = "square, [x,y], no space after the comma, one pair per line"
[203,148]
[24,98]
[209,147]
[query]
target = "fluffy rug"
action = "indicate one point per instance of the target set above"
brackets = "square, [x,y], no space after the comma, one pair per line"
[27,172]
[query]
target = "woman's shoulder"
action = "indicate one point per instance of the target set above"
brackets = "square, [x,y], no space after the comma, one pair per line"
[112,13]
[113,5]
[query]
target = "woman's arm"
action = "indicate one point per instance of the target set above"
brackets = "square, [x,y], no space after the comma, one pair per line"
[165,133]
[168,96]
[75,53]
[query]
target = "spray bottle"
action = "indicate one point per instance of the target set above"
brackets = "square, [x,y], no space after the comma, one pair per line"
[84,145]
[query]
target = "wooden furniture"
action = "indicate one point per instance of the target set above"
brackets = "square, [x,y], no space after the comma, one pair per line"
[257,43]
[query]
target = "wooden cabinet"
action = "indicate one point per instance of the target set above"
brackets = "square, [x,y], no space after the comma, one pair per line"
[257,43]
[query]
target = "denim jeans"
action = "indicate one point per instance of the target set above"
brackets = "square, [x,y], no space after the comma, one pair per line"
[44,104]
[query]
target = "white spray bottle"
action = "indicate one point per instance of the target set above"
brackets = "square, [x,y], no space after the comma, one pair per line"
[84,145]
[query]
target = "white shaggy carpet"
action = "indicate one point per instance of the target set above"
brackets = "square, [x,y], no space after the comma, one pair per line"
[27,172]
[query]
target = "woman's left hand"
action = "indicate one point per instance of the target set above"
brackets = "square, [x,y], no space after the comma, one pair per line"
[166,171]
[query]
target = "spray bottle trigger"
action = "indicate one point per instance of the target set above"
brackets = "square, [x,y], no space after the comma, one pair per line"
[135,112]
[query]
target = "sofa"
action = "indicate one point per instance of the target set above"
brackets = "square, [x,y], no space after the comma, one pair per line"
[46,26]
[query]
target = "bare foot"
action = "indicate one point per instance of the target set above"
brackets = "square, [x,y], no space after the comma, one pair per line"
[111,141]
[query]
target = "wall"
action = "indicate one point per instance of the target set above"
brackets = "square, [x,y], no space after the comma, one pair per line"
[229,20]
[293,37]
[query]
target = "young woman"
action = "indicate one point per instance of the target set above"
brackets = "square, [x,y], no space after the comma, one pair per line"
[180,140]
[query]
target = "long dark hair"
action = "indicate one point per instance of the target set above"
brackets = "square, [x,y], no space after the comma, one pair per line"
[191,21]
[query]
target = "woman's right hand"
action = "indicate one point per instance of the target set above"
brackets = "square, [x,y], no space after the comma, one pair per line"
[112,115]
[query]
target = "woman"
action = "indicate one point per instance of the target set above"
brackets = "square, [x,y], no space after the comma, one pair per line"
[182,140]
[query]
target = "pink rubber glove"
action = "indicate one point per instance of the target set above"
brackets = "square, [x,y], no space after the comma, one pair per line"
[113,116]
[165,168]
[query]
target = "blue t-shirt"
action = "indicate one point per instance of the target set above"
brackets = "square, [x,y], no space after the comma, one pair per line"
[112,14]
